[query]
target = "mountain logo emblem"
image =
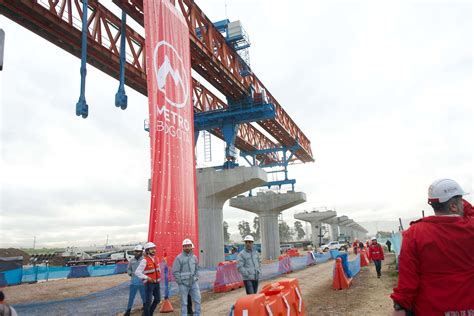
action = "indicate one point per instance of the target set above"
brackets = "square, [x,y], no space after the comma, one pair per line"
[171,76]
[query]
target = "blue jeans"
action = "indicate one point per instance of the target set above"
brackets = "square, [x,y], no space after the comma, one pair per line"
[378,266]
[133,292]
[251,286]
[152,291]
[193,290]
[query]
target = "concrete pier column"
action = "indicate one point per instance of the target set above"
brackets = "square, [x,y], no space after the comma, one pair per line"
[268,206]
[215,187]
[316,219]
[334,231]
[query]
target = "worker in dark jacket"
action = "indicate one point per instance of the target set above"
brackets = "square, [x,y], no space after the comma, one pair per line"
[389,245]
[376,254]
[436,263]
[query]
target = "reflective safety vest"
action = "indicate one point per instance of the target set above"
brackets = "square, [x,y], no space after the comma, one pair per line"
[152,268]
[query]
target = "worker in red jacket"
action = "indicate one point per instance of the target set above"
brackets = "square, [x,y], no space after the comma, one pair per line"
[468,209]
[376,253]
[436,263]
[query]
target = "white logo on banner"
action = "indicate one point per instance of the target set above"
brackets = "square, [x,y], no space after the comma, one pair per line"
[178,74]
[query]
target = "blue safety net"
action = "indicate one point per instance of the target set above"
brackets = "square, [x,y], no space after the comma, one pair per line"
[396,240]
[114,300]
[354,266]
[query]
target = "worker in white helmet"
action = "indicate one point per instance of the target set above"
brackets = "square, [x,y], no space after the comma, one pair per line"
[149,272]
[377,255]
[249,265]
[186,274]
[135,283]
[436,262]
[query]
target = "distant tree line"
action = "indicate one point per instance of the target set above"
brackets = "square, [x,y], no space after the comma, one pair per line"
[287,233]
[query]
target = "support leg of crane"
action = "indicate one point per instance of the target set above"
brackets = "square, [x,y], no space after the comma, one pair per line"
[82,109]
[121,98]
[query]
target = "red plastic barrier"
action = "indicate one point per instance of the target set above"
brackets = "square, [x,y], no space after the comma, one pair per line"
[293,252]
[364,260]
[278,298]
[284,264]
[228,277]
[310,260]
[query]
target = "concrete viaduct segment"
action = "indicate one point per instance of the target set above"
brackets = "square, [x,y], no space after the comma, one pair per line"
[316,218]
[215,187]
[268,205]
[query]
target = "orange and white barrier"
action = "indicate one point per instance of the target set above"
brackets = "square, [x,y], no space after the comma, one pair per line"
[340,280]
[228,277]
[284,264]
[281,298]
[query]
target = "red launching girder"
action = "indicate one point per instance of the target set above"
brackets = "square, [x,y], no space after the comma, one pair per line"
[59,21]
[219,64]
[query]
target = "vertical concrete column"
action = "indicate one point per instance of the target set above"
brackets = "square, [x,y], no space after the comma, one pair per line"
[334,231]
[215,187]
[268,206]
[270,235]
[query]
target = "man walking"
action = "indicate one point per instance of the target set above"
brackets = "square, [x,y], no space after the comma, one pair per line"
[389,245]
[186,274]
[135,283]
[149,271]
[376,254]
[436,262]
[249,265]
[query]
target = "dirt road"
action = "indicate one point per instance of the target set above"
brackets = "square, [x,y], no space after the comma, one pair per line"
[367,296]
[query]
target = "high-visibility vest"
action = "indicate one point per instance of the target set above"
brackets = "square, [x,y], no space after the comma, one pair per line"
[152,268]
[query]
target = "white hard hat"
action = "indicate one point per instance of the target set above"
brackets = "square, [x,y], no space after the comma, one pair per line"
[248,238]
[374,238]
[138,248]
[188,242]
[149,245]
[443,189]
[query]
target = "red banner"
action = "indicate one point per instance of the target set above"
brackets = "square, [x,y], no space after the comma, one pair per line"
[173,210]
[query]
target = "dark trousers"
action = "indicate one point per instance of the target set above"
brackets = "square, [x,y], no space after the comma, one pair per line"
[152,291]
[389,247]
[378,267]
[251,286]
[190,305]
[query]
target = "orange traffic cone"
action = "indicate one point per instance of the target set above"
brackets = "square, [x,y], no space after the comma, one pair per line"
[342,281]
[166,307]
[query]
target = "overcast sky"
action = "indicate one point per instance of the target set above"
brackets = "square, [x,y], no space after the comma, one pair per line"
[384,93]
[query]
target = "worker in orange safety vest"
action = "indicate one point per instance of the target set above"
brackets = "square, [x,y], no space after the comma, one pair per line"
[149,272]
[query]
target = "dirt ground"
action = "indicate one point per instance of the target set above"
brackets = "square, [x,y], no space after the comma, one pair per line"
[61,289]
[367,296]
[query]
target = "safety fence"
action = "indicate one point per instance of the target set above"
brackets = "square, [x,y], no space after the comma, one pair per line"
[114,300]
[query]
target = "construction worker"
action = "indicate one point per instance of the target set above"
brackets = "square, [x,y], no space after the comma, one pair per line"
[436,262]
[249,265]
[5,309]
[135,283]
[149,272]
[389,245]
[355,246]
[376,254]
[186,274]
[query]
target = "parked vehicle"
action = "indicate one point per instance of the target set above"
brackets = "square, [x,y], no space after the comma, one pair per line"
[334,245]
[285,247]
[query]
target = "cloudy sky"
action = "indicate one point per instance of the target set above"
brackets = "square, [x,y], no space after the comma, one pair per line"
[384,93]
